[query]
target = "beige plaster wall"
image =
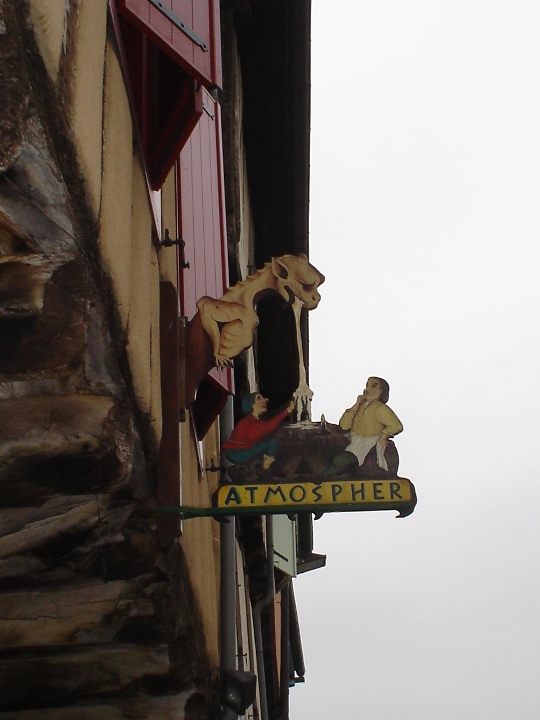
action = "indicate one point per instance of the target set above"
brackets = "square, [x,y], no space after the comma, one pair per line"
[116,196]
[88,91]
[167,256]
[200,539]
[143,318]
[126,242]
[49,21]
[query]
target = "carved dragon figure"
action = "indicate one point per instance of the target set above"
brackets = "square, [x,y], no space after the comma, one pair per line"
[230,321]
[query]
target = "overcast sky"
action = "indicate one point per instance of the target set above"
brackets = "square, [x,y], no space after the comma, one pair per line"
[425,219]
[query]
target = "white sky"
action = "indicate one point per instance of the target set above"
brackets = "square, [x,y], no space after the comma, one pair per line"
[425,219]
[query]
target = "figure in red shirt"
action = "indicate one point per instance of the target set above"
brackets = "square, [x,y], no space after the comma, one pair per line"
[252,436]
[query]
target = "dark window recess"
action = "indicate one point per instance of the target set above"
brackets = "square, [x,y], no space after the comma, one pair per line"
[168,101]
[277,353]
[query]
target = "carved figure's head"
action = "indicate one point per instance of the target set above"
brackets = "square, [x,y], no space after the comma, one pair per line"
[255,404]
[247,403]
[295,277]
[377,389]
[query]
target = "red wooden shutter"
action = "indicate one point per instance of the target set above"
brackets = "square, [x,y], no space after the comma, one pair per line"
[202,225]
[170,48]
[187,30]
[201,209]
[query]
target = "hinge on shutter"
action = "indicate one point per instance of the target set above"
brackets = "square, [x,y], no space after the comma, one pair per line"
[180,24]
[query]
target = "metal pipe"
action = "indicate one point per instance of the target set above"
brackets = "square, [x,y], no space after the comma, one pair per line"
[257,610]
[285,653]
[228,642]
[294,638]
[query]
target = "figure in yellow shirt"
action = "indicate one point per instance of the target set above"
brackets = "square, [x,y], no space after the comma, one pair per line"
[371,423]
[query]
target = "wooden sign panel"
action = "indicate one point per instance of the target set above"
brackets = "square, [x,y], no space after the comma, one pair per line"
[339,495]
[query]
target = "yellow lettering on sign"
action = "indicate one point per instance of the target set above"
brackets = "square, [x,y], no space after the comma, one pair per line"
[344,492]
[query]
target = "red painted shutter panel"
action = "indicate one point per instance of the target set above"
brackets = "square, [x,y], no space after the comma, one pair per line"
[166,101]
[201,16]
[201,218]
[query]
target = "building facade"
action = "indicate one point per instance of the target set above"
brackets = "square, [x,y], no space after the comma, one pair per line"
[151,153]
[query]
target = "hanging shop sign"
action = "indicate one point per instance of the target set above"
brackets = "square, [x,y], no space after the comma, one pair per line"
[305,467]
[343,495]
[282,462]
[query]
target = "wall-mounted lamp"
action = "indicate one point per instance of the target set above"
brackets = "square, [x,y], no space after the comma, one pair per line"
[237,689]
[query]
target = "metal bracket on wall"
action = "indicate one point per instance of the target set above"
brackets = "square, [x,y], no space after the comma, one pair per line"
[180,24]
[215,468]
[169,242]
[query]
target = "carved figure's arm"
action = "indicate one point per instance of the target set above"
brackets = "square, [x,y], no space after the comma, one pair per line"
[347,418]
[262,428]
[387,417]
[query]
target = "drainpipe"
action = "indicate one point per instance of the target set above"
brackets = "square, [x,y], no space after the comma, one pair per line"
[284,679]
[228,642]
[297,655]
[257,610]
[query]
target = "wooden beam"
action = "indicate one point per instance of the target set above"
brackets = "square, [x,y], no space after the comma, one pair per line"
[43,530]
[85,672]
[187,705]
[22,283]
[52,445]
[13,519]
[84,613]
[20,565]
[48,425]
